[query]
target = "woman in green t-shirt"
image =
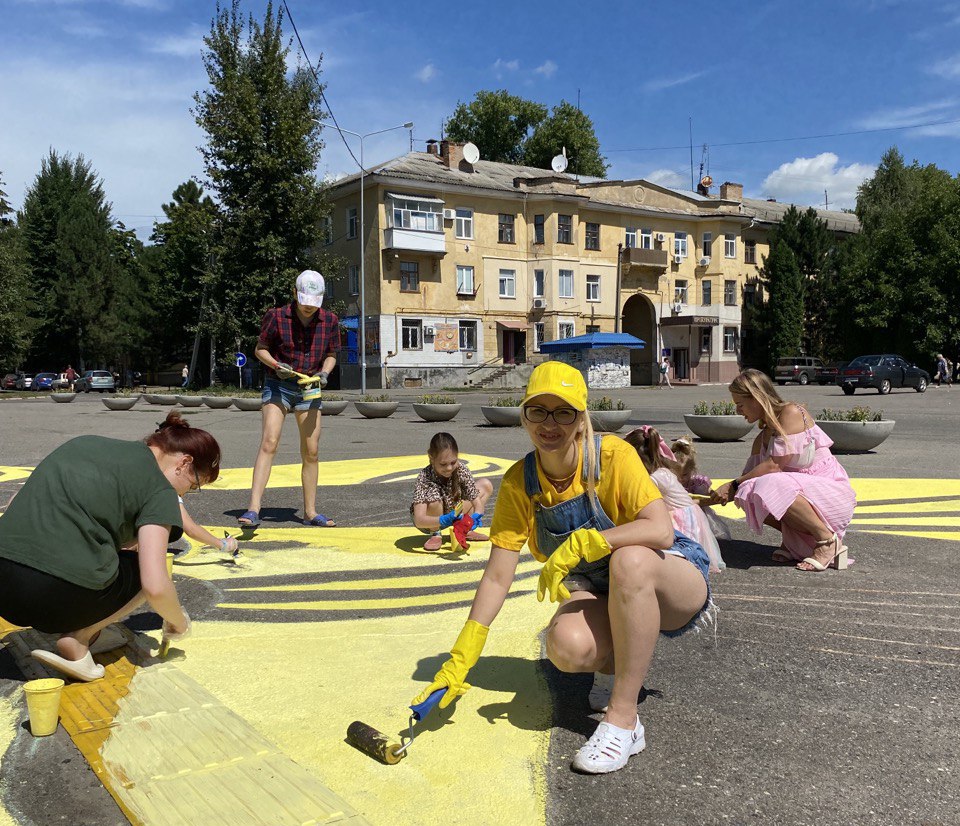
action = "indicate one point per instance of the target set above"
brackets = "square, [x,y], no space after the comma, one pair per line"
[64,538]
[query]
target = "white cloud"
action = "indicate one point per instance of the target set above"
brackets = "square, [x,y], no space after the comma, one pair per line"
[949,67]
[187,44]
[501,67]
[907,115]
[669,82]
[666,177]
[548,68]
[427,73]
[803,181]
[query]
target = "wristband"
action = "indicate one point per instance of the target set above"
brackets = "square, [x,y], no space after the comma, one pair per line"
[734,487]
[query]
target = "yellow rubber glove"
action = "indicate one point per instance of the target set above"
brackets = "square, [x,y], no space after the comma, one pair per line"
[463,657]
[587,544]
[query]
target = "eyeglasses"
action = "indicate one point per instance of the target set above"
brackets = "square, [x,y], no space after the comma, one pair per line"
[562,415]
[195,487]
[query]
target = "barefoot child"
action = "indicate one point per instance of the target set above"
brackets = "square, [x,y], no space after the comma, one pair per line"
[441,486]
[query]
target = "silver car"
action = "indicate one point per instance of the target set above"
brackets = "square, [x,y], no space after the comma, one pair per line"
[99,380]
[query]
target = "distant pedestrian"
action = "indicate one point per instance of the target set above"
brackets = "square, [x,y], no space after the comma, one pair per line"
[943,371]
[665,373]
[70,375]
[185,375]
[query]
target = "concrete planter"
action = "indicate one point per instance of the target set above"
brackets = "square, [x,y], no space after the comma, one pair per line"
[166,399]
[502,416]
[718,428]
[334,408]
[63,398]
[217,402]
[609,421]
[121,402]
[856,437]
[436,412]
[151,398]
[246,403]
[376,410]
[189,401]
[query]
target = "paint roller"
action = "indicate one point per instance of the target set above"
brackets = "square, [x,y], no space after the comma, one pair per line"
[379,746]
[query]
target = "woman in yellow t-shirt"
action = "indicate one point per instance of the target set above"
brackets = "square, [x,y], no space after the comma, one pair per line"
[589,511]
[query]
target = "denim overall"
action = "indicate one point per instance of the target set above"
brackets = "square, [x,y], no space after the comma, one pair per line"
[554,524]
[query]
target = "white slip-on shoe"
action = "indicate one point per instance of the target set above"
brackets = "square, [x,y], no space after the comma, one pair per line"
[599,697]
[110,639]
[85,670]
[609,749]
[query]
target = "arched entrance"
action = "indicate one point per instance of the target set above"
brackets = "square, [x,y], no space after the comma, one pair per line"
[638,319]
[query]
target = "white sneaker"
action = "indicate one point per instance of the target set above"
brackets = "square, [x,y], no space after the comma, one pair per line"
[609,749]
[599,697]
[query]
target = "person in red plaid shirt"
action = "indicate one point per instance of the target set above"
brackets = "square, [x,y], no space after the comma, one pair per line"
[299,337]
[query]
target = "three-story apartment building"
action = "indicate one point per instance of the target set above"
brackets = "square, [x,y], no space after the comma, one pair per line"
[469,267]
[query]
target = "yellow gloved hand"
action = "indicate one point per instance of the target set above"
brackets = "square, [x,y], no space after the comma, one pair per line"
[587,544]
[463,657]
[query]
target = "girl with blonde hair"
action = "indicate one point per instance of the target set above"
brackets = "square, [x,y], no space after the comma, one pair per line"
[791,481]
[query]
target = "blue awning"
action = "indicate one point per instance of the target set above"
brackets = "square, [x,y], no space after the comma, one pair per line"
[592,340]
[350,322]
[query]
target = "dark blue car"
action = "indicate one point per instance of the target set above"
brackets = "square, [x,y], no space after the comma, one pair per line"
[44,381]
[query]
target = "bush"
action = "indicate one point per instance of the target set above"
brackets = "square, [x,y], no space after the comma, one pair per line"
[701,409]
[383,397]
[605,403]
[332,397]
[857,414]
[429,398]
[505,401]
[715,409]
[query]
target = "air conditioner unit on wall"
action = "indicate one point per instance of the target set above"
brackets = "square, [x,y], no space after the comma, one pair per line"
[678,307]
[659,237]
[705,261]
[539,303]
[678,259]
[449,214]
[428,330]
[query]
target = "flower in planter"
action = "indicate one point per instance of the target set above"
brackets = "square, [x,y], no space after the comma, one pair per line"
[504,401]
[857,414]
[716,409]
[383,397]
[429,398]
[605,403]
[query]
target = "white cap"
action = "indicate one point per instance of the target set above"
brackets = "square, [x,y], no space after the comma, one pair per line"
[310,289]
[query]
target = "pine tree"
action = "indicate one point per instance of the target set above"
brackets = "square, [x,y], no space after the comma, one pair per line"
[785,302]
[15,323]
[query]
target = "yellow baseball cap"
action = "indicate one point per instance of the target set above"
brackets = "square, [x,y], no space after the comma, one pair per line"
[556,378]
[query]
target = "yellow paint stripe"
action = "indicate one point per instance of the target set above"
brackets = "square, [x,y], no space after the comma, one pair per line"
[945,521]
[903,489]
[12,474]
[944,506]
[361,604]
[953,536]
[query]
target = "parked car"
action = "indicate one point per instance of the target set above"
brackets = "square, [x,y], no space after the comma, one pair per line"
[24,381]
[9,382]
[99,380]
[829,372]
[801,369]
[44,381]
[882,372]
[61,382]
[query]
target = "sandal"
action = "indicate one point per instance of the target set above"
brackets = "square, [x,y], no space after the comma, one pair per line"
[319,521]
[476,536]
[109,639]
[600,691]
[249,519]
[609,749]
[85,669]
[434,543]
[783,556]
[838,558]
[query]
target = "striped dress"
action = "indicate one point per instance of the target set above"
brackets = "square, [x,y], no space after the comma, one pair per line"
[821,480]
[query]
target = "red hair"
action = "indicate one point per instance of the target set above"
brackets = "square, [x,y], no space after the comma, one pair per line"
[174,435]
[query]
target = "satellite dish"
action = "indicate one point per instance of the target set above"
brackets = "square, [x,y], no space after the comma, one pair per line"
[559,163]
[470,153]
[706,181]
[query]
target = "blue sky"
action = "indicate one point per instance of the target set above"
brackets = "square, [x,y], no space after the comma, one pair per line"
[113,80]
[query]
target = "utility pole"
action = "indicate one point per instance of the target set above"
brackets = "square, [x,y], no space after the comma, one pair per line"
[826,203]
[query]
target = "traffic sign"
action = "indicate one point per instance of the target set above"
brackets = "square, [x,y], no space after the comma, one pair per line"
[241,359]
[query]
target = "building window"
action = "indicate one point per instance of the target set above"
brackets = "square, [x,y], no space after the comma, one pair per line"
[729,339]
[630,239]
[465,281]
[680,291]
[538,283]
[706,338]
[706,292]
[464,223]
[730,293]
[729,245]
[566,329]
[538,328]
[468,335]
[353,279]
[750,295]
[508,283]
[593,288]
[352,222]
[411,331]
[409,277]
[410,213]
[592,237]
[538,228]
[680,244]
[565,289]
[505,228]
[707,244]
[326,229]
[750,252]
[593,328]
[564,229]
[646,239]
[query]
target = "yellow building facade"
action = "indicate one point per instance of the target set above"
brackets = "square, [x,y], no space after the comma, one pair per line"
[469,267]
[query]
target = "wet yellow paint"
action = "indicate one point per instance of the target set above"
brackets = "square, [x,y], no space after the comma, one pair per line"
[12,474]
[9,718]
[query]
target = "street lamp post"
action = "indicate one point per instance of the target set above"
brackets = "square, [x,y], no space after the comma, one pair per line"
[363,279]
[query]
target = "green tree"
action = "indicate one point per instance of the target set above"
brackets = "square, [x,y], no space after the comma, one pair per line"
[15,322]
[262,148]
[500,124]
[784,302]
[567,127]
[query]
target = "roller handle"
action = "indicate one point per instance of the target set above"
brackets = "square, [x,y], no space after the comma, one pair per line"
[421,710]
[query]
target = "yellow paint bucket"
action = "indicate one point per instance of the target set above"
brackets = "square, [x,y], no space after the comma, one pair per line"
[43,705]
[312,393]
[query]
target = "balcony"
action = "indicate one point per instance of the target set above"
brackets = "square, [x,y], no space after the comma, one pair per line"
[398,239]
[645,259]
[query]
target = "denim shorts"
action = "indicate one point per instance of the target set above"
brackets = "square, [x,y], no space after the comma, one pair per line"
[289,395]
[597,580]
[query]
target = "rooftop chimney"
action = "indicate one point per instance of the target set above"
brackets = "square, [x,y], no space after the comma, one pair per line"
[731,192]
[451,153]
[433,148]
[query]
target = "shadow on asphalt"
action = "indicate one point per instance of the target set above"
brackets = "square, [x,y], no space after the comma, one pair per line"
[743,554]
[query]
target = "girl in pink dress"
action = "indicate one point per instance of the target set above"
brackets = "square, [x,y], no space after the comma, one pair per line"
[791,481]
